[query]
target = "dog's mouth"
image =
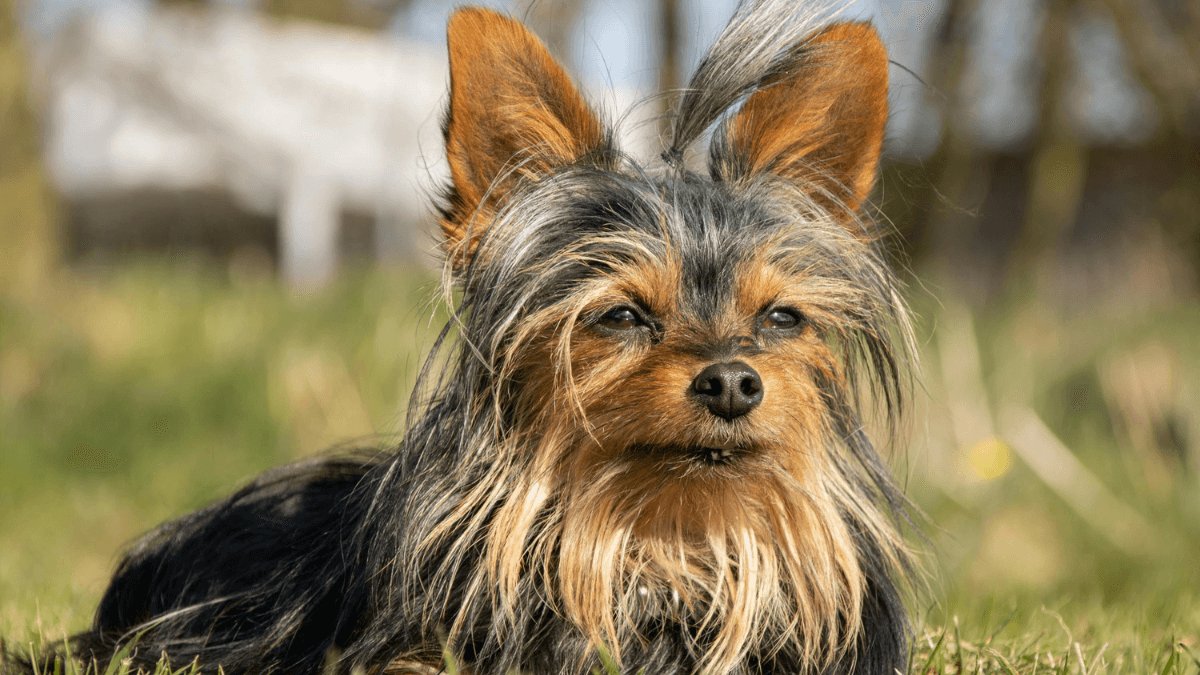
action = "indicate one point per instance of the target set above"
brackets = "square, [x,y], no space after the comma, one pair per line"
[708,454]
[716,456]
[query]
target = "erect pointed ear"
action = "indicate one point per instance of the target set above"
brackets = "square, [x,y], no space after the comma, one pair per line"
[820,123]
[513,115]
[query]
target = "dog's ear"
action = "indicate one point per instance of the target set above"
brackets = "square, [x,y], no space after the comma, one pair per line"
[820,123]
[513,115]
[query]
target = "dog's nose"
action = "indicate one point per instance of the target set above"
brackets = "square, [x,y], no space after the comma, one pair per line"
[728,390]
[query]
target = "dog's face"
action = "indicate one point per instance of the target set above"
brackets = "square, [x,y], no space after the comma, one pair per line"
[671,356]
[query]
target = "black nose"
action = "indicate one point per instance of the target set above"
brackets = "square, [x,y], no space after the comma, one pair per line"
[728,390]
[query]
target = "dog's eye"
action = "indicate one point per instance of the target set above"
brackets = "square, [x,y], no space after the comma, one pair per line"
[782,318]
[621,318]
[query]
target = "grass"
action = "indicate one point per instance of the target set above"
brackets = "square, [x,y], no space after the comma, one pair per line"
[1055,451]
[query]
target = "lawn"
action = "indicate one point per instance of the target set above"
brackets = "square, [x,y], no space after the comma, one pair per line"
[1055,449]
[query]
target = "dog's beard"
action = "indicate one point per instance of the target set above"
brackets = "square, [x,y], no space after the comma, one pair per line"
[742,558]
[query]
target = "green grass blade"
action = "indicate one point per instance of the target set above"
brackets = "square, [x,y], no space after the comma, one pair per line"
[1004,663]
[1172,661]
[117,665]
[1003,624]
[1191,656]
[928,668]
[958,657]
[608,662]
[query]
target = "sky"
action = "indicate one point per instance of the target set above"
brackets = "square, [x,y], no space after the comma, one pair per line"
[613,36]
[613,48]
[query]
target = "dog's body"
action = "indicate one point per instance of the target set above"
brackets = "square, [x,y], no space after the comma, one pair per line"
[272,580]
[647,441]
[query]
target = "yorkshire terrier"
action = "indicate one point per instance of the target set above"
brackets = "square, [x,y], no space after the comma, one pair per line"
[646,450]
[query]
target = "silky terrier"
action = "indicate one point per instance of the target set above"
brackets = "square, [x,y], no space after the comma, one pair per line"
[641,442]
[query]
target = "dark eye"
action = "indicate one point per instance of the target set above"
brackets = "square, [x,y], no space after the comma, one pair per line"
[621,318]
[782,318]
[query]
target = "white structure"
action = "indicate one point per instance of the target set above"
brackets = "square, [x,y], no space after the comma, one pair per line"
[298,120]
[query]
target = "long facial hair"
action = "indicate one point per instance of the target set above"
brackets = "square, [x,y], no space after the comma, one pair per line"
[586,497]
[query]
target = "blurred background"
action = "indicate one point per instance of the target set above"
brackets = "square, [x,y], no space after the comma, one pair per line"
[217,256]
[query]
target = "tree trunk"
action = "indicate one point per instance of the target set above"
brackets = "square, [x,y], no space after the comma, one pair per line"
[28,210]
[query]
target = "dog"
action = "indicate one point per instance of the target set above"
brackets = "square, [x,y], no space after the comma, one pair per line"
[641,443]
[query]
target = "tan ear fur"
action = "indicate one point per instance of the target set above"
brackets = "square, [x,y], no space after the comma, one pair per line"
[822,124]
[513,114]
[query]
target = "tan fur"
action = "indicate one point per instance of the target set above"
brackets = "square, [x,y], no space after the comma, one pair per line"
[823,125]
[751,549]
[431,666]
[513,114]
